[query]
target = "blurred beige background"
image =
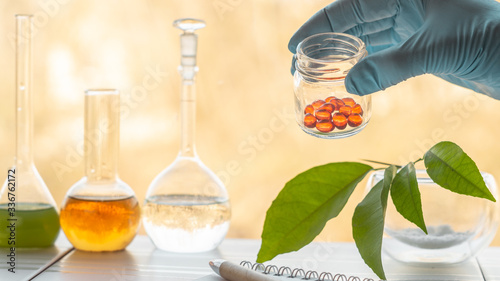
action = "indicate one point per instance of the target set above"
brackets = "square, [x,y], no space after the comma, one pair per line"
[246,130]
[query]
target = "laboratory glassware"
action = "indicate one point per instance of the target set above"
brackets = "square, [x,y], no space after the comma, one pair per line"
[458,226]
[323,107]
[187,207]
[100,212]
[26,206]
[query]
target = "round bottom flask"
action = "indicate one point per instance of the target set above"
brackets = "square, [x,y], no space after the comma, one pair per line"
[187,210]
[98,223]
[100,212]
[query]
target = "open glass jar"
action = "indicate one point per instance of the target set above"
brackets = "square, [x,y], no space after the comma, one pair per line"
[323,107]
[458,226]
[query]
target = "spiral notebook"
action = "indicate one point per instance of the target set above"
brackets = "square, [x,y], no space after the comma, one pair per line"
[287,273]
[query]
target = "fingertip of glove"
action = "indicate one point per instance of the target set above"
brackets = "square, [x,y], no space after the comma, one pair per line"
[351,88]
[294,41]
[360,86]
[292,68]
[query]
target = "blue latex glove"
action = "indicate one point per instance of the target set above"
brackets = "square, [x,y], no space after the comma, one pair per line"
[457,40]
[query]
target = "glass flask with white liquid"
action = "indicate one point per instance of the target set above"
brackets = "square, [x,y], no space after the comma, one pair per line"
[187,206]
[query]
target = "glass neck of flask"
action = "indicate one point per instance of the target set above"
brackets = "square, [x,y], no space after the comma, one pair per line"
[102,131]
[24,104]
[188,70]
[188,119]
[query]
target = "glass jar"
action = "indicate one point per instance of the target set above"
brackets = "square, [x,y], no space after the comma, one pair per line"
[458,226]
[323,107]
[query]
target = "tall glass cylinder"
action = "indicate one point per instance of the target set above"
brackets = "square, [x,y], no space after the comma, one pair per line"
[26,204]
[100,212]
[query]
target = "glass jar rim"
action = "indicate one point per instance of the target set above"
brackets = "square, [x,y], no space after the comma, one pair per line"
[360,48]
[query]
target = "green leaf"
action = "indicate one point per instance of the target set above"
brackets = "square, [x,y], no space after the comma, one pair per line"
[406,196]
[305,204]
[449,166]
[368,222]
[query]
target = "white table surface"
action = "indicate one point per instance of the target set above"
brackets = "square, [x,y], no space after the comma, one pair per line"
[142,261]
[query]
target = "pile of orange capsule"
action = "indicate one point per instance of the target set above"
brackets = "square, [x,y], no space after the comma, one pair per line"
[326,115]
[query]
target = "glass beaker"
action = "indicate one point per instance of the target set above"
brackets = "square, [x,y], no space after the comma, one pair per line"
[27,210]
[187,207]
[323,107]
[458,226]
[100,212]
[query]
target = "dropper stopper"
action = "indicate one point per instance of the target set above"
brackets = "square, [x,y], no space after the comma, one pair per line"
[189,40]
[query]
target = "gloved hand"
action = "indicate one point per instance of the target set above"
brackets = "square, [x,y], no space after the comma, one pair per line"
[457,40]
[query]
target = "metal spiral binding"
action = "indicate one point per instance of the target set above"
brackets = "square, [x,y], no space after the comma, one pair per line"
[258,267]
[311,274]
[339,277]
[324,275]
[283,270]
[246,264]
[271,267]
[298,272]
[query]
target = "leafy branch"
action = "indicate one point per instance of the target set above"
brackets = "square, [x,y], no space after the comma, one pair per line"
[309,200]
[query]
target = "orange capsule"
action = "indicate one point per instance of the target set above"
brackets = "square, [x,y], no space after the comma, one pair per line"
[338,103]
[346,110]
[349,101]
[323,114]
[309,109]
[354,120]
[325,126]
[329,99]
[309,120]
[317,103]
[357,109]
[339,120]
[328,107]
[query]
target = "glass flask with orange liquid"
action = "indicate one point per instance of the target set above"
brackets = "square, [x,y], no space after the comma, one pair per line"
[28,213]
[100,212]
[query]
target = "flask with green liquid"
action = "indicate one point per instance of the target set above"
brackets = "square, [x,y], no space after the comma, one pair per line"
[28,213]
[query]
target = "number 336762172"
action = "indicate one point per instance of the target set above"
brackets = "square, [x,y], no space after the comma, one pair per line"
[11,178]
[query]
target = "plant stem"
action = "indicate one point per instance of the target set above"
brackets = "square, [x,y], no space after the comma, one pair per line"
[377,162]
[418,160]
[382,163]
